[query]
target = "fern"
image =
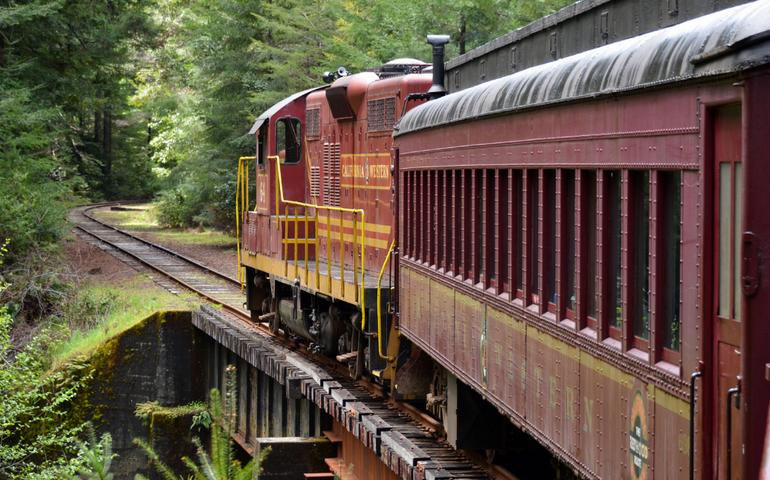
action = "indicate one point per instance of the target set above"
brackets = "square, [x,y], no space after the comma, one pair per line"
[220,463]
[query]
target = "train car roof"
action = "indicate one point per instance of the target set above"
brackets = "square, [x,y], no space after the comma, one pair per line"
[723,42]
[278,106]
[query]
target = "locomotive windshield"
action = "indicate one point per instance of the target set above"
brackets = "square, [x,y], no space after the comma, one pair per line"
[288,140]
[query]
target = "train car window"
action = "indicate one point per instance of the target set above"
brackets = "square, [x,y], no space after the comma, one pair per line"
[288,140]
[612,280]
[639,283]
[518,231]
[568,256]
[588,232]
[441,211]
[424,228]
[467,221]
[725,214]
[430,209]
[503,231]
[549,237]
[737,231]
[490,265]
[477,237]
[457,217]
[670,233]
[532,237]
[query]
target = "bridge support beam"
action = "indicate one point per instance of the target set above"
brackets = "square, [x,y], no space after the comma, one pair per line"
[292,457]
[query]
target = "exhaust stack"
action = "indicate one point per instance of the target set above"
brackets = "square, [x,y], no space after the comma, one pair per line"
[438,90]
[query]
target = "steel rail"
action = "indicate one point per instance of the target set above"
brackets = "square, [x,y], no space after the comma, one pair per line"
[178,255]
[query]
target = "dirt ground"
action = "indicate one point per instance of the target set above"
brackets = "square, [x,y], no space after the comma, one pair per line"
[90,264]
[220,257]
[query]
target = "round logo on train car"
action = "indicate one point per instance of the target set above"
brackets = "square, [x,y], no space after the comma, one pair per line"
[637,438]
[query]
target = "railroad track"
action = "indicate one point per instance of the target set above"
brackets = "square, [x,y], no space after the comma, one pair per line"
[183,271]
[176,272]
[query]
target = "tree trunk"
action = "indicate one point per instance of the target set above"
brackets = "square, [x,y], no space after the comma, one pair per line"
[97,127]
[461,37]
[107,153]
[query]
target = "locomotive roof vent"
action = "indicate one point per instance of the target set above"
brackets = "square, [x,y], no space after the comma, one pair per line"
[402,66]
[438,41]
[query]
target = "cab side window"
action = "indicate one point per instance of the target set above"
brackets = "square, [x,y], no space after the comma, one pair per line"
[288,140]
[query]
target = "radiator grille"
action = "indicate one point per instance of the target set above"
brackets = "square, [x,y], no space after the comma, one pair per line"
[313,123]
[381,114]
[331,174]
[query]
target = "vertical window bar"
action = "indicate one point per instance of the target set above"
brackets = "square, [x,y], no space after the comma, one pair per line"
[591,240]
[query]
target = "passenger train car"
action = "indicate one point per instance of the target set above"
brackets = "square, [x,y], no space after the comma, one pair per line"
[582,244]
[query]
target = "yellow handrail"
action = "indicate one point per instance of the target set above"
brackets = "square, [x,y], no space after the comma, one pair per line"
[379,304]
[279,198]
[241,206]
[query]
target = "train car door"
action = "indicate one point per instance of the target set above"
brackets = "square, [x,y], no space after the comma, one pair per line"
[727,315]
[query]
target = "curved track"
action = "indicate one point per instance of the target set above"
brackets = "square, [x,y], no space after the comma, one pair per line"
[187,272]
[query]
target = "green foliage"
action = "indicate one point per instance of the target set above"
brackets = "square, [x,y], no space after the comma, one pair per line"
[95,457]
[36,433]
[220,463]
[220,64]
[94,314]
[146,410]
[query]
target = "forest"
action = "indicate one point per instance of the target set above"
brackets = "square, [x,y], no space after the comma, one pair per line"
[152,100]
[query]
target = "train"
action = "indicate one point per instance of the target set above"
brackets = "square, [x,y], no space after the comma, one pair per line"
[580,246]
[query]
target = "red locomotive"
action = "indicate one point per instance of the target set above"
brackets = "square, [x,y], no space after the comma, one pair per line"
[583,244]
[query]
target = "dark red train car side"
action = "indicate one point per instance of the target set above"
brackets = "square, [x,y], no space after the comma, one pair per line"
[580,239]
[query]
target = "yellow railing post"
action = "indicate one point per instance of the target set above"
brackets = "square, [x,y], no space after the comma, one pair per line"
[342,256]
[317,271]
[296,243]
[379,304]
[284,234]
[329,247]
[279,198]
[307,265]
[241,208]
[355,250]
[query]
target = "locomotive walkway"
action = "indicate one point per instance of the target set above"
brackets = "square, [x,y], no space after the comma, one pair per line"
[367,426]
